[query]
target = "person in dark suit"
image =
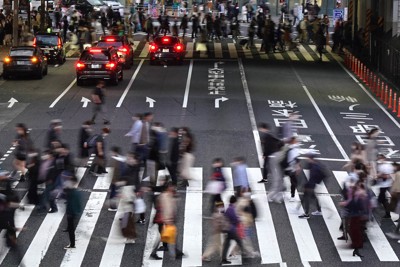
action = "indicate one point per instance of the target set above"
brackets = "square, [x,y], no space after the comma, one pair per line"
[270,144]
[173,154]
[84,135]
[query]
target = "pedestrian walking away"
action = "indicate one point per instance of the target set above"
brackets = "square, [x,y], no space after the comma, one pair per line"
[98,99]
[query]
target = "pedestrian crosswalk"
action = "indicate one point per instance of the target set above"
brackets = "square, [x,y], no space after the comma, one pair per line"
[195,227]
[228,49]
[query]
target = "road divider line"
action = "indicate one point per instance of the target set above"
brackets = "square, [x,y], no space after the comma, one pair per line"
[63,93]
[322,117]
[253,122]
[188,81]
[121,100]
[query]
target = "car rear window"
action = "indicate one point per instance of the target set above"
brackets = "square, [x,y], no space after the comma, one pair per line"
[108,44]
[95,56]
[21,53]
[46,40]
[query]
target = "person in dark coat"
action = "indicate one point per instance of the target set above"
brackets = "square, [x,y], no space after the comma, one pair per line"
[73,210]
[173,154]
[84,135]
[53,138]
[270,144]
[33,169]
[184,25]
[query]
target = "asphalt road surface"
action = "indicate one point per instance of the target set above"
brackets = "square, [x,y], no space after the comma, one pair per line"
[221,98]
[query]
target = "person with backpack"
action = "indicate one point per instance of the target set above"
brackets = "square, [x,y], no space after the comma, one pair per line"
[317,175]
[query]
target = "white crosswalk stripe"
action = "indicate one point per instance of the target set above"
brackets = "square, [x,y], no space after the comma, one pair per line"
[192,210]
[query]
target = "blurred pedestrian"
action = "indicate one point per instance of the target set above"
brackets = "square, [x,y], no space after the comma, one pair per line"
[219,226]
[239,175]
[48,174]
[173,154]
[384,181]
[73,209]
[53,138]
[97,142]
[292,167]
[84,134]
[117,162]
[232,234]
[98,98]
[269,144]
[23,145]
[33,168]
[135,131]
[128,227]
[184,25]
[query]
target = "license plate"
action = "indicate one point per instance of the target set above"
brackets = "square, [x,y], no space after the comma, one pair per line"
[23,62]
[165,50]
[95,66]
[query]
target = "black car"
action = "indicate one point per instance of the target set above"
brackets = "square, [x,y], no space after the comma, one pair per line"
[52,46]
[167,48]
[25,60]
[123,46]
[99,63]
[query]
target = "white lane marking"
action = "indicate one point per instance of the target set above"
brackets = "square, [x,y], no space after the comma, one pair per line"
[253,122]
[266,234]
[322,117]
[11,102]
[121,100]
[369,94]
[218,100]
[87,222]
[376,237]
[218,50]
[226,195]
[151,101]
[189,50]
[187,88]
[45,234]
[63,93]
[305,241]
[193,230]
[351,108]
[145,51]
[332,220]
[232,51]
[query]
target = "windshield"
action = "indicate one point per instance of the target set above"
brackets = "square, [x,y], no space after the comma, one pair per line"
[21,53]
[95,2]
[49,40]
[108,44]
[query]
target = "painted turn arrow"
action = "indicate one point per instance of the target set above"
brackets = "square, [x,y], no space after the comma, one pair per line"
[12,101]
[85,102]
[150,101]
[217,100]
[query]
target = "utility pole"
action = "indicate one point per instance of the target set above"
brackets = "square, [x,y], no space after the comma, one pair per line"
[42,15]
[15,23]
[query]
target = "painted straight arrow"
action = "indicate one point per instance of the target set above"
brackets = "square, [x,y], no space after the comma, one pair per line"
[85,102]
[218,100]
[12,101]
[150,101]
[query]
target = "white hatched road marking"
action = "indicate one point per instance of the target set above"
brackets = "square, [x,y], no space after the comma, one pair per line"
[189,50]
[266,234]
[305,53]
[193,230]
[232,50]
[218,50]
[145,51]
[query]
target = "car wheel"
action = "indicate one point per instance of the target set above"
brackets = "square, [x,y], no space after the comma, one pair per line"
[60,60]
[114,80]
[79,82]
[39,75]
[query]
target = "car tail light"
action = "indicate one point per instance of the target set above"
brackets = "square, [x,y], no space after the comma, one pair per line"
[7,60]
[59,43]
[34,59]
[123,49]
[165,40]
[79,65]
[111,65]
[178,48]
[34,41]
[153,47]
[93,50]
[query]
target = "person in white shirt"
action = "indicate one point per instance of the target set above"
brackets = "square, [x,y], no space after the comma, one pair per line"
[136,131]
